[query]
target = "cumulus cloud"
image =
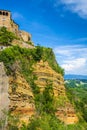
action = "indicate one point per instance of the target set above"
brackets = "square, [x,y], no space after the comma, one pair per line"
[75,64]
[76,6]
[73,58]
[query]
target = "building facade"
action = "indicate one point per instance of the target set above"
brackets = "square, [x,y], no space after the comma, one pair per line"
[6,21]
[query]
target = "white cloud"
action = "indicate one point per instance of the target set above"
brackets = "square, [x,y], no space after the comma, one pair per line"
[69,50]
[75,64]
[73,58]
[76,6]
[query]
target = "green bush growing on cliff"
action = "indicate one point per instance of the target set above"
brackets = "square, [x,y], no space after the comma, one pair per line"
[10,55]
[48,55]
[50,122]
[48,99]
[30,43]
[6,37]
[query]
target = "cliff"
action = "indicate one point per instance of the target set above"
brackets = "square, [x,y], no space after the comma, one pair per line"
[36,84]
[4,86]
[64,110]
[21,97]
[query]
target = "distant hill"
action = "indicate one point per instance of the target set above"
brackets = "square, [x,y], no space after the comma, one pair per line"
[72,76]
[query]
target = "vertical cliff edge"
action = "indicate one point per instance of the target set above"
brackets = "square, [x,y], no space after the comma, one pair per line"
[36,84]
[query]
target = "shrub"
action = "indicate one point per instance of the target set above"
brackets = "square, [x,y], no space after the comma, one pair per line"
[6,37]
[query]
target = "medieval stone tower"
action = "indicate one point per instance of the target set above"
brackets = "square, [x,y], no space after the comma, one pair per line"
[6,21]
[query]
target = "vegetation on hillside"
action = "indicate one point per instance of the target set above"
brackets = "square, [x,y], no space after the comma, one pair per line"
[77,93]
[22,59]
[10,55]
[48,55]
[6,37]
[30,43]
[50,122]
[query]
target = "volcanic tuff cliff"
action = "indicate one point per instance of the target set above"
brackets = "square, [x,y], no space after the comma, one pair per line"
[34,82]
[65,111]
[21,91]
[21,97]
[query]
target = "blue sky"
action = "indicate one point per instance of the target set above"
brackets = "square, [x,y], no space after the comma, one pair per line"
[59,24]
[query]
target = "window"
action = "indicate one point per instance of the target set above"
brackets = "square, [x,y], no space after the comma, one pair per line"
[3,13]
[0,13]
[6,13]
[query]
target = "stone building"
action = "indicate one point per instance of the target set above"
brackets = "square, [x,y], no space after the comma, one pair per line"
[6,21]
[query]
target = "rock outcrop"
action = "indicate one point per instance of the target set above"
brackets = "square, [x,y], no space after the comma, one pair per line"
[21,97]
[4,85]
[65,111]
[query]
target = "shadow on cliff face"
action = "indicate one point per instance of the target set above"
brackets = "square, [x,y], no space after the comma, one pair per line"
[4,100]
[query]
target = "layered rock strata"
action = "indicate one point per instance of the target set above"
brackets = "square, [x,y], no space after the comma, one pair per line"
[65,111]
[21,98]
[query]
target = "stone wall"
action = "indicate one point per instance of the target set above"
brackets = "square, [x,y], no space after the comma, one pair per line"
[14,28]
[5,17]
[4,84]
[6,20]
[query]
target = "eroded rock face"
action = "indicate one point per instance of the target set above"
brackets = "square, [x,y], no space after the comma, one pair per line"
[65,111]
[67,114]
[21,98]
[4,84]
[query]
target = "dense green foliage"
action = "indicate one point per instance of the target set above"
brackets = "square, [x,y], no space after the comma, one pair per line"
[48,99]
[45,101]
[6,37]
[30,43]
[49,56]
[77,93]
[15,53]
[50,122]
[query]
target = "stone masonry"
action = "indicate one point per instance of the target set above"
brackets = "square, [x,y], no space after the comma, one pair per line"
[6,21]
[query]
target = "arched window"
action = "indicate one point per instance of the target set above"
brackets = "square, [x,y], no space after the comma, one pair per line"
[0,13]
[6,13]
[3,13]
